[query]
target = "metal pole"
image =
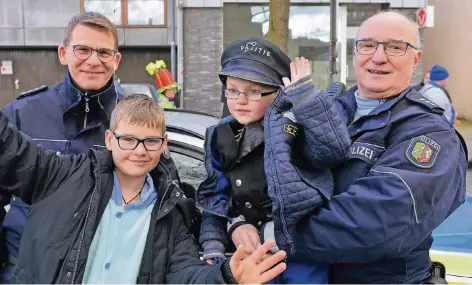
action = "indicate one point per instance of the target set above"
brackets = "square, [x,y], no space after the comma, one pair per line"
[333,19]
[180,48]
[173,56]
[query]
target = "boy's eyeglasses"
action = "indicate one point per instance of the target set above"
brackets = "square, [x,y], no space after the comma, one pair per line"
[251,95]
[131,143]
[84,52]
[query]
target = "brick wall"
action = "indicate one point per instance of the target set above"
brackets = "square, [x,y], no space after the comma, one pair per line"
[203,45]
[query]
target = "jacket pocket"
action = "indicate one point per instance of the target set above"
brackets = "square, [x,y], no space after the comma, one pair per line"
[362,157]
[99,147]
[143,279]
[60,146]
[21,277]
[367,152]
[69,228]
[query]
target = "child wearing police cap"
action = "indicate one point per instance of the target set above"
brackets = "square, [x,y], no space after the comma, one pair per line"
[264,164]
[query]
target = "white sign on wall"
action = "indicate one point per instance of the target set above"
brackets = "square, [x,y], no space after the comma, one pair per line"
[7,67]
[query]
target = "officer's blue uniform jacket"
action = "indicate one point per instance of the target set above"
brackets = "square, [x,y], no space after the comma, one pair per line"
[295,186]
[62,119]
[406,174]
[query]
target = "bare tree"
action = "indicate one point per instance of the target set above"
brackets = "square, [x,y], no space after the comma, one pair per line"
[278,22]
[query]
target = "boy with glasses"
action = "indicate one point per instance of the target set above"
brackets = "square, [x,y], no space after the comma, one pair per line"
[238,200]
[112,216]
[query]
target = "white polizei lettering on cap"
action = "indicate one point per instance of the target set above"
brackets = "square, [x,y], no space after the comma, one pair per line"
[252,46]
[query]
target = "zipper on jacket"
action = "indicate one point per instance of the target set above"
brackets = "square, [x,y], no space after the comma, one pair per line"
[165,194]
[276,184]
[87,214]
[87,109]
[349,112]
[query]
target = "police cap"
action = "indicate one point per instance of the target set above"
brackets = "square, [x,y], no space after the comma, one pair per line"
[255,59]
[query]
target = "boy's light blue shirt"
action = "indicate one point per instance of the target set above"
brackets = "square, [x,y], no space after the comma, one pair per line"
[118,244]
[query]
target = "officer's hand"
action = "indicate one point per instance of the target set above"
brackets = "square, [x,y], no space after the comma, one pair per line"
[257,268]
[299,68]
[248,236]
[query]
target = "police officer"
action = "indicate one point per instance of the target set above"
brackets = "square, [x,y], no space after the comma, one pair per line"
[72,116]
[406,172]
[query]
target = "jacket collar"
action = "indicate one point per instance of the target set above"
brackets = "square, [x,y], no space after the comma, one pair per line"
[160,175]
[107,98]
[436,85]
[252,137]
[349,102]
[378,118]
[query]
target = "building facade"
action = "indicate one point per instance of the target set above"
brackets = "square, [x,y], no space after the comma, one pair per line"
[448,43]
[209,25]
[31,30]
[189,35]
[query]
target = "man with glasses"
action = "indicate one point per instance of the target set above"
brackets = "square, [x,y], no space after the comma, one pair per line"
[72,116]
[406,172]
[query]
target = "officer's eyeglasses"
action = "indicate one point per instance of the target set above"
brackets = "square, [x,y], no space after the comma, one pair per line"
[84,52]
[392,48]
[251,95]
[131,143]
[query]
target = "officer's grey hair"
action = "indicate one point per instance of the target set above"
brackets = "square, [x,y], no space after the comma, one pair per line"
[404,15]
[94,20]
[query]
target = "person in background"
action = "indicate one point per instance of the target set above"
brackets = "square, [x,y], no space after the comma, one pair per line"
[435,91]
[165,82]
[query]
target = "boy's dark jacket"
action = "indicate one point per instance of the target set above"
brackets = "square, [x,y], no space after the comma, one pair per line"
[69,195]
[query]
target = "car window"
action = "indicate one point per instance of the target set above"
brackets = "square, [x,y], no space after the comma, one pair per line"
[138,89]
[191,170]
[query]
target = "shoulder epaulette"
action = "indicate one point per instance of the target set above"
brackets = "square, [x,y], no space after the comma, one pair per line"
[336,89]
[420,99]
[32,92]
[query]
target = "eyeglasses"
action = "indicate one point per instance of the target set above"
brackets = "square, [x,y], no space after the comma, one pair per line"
[131,143]
[251,95]
[84,52]
[392,48]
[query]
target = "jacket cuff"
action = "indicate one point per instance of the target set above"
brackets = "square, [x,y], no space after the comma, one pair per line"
[213,248]
[300,90]
[234,223]
[268,233]
[227,274]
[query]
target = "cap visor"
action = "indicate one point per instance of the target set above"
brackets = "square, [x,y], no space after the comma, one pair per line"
[248,75]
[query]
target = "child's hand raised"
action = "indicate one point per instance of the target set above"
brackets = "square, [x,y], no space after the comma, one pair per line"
[248,236]
[259,267]
[299,68]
